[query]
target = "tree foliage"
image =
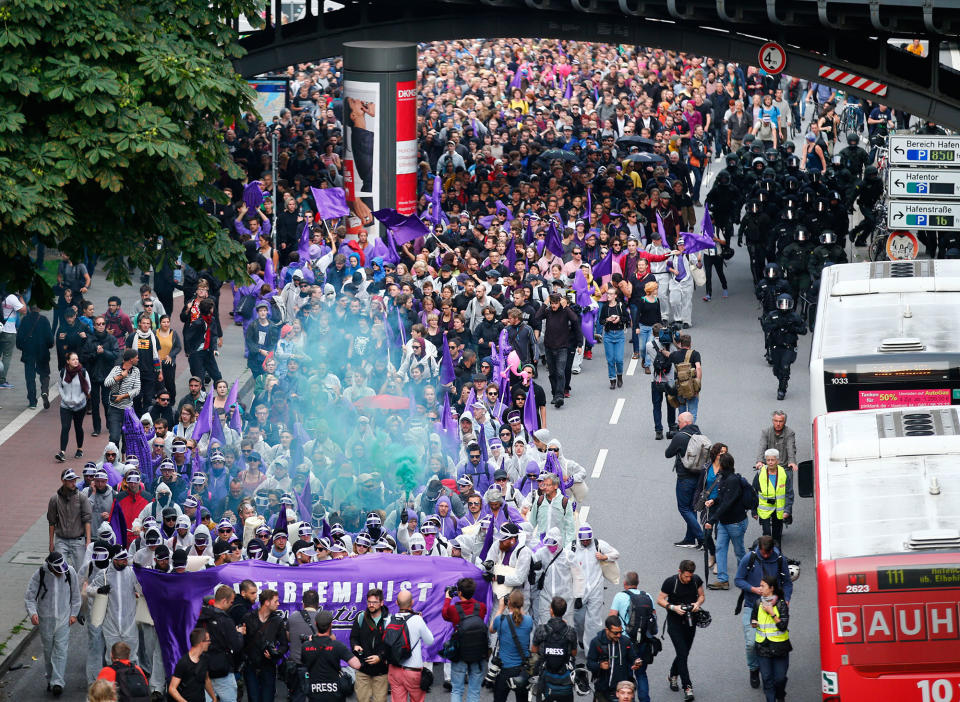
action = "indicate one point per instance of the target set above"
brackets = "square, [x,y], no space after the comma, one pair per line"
[109,114]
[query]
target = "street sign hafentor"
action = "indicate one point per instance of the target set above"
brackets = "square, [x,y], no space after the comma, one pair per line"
[910,150]
[924,183]
[938,216]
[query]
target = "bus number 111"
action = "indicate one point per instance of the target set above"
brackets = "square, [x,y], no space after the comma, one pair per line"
[936,690]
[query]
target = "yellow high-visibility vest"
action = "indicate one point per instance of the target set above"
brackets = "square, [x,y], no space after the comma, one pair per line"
[767,628]
[771,497]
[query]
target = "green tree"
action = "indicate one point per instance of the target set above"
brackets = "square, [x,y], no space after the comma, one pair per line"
[109,132]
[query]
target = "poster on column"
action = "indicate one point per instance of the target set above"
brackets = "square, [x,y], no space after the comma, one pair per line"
[175,599]
[362,153]
[406,147]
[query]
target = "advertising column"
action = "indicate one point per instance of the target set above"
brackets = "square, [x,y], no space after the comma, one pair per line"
[380,122]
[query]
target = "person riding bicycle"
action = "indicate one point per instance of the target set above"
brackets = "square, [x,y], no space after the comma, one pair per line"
[869,194]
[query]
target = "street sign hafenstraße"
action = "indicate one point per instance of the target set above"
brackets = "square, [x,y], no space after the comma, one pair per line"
[903,214]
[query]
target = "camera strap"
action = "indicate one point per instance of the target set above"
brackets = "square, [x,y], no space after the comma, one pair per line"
[516,639]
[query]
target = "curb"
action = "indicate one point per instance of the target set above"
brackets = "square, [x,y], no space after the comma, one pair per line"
[15,645]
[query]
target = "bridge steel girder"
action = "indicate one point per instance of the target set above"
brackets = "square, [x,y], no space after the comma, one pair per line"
[808,47]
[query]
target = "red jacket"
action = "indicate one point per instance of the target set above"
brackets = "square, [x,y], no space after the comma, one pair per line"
[451,614]
[131,506]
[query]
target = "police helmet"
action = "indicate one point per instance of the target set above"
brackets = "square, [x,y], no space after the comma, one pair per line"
[789,147]
[815,176]
[763,197]
[808,197]
[801,234]
[767,185]
[828,237]
[769,174]
[756,148]
[732,160]
[749,138]
[872,172]
[853,139]
[793,163]
[772,155]
[792,184]
[789,214]
[794,569]
[758,163]
[753,206]
[784,302]
[580,679]
[723,178]
[821,205]
[772,271]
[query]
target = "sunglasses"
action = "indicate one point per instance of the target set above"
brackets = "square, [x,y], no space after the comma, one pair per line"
[224,531]
[492,393]
[473,503]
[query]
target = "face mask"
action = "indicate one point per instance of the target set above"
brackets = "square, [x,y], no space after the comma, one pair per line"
[553,549]
[119,567]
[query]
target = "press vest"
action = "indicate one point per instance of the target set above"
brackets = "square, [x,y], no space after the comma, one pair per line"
[767,628]
[772,497]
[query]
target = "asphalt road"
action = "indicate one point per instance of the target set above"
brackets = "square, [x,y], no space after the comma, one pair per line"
[632,503]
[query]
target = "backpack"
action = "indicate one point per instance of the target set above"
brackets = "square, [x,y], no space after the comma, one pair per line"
[471,637]
[697,453]
[642,625]
[131,685]
[246,307]
[396,638]
[749,499]
[555,675]
[687,384]
[783,573]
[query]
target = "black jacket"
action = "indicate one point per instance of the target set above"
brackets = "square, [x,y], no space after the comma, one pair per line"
[369,636]
[728,509]
[226,642]
[263,635]
[562,327]
[35,337]
[621,654]
[99,365]
[677,447]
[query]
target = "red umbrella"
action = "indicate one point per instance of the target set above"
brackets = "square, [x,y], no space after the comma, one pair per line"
[384,402]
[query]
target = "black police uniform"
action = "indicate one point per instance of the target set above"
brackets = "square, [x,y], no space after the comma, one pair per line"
[754,227]
[782,328]
[321,656]
[869,194]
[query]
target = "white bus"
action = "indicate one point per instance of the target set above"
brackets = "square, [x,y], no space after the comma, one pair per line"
[887,335]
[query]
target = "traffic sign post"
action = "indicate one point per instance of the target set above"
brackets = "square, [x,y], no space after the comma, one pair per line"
[934,216]
[772,57]
[924,183]
[909,150]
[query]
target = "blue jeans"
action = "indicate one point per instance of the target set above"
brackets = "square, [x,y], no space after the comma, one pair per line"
[691,406]
[727,534]
[697,174]
[473,672]
[645,334]
[774,672]
[261,684]
[613,341]
[749,637]
[643,685]
[635,338]
[686,487]
[225,687]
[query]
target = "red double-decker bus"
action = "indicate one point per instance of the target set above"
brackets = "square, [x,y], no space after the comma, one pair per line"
[887,489]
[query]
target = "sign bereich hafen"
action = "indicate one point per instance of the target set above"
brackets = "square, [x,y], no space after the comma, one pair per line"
[910,150]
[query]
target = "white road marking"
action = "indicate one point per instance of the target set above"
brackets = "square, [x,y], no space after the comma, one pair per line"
[598,466]
[20,421]
[632,366]
[617,409]
[583,512]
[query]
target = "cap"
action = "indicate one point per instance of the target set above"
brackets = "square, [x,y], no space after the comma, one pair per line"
[220,548]
[179,559]
[252,456]
[56,562]
[162,552]
[68,474]
[100,554]
[199,478]
[585,532]
[152,538]
[89,470]
[120,553]
[514,416]
[500,474]
[464,481]
[262,529]
[218,456]
[100,475]
[167,464]
[132,478]
[509,530]
[190,502]
[225,524]
[323,620]
[301,546]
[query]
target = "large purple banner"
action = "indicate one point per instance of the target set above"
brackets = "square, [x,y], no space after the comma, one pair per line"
[175,599]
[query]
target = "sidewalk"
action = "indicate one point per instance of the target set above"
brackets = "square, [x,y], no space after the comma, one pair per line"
[28,440]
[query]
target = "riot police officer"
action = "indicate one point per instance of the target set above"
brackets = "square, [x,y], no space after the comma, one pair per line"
[782,235]
[868,195]
[853,157]
[321,655]
[795,260]
[768,290]
[828,250]
[782,327]
[754,226]
[723,202]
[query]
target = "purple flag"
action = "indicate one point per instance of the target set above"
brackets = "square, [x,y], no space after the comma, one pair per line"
[706,224]
[531,419]
[118,523]
[204,421]
[436,213]
[405,228]
[582,288]
[554,243]
[236,420]
[568,93]
[484,455]
[304,498]
[515,82]
[604,266]
[589,205]
[304,248]
[487,220]
[471,398]
[663,233]
[174,599]
[380,250]
[447,372]
[331,202]
[694,243]
[135,443]
[529,236]
[511,253]
[269,275]
[587,320]
[252,195]
[280,525]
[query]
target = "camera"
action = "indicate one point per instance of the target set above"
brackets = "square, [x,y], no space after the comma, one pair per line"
[452,591]
[666,337]
[271,648]
[519,681]
[493,670]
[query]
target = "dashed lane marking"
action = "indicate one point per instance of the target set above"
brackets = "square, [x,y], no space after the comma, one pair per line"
[632,366]
[617,409]
[598,466]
